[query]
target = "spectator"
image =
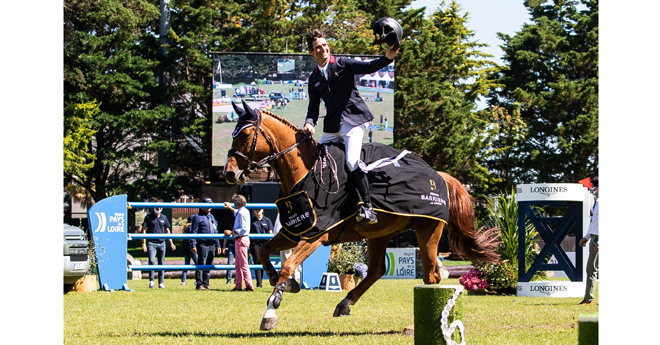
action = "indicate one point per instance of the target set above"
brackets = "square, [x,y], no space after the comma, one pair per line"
[204,223]
[285,254]
[592,261]
[228,249]
[188,255]
[241,242]
[156,223]
[262,225]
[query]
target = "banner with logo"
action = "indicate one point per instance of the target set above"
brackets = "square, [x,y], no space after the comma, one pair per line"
[107,221]
[400,263]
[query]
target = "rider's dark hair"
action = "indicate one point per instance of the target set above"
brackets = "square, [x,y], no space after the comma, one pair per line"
[312,36]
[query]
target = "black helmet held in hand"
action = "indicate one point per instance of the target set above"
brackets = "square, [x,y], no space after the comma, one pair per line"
[389,31]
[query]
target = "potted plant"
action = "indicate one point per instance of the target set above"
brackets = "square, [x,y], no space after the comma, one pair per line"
[347,260]
[88,282]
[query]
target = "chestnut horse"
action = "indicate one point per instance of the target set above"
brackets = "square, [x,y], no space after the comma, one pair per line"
[262,137]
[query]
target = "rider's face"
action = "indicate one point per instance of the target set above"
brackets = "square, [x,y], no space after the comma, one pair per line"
[320,51]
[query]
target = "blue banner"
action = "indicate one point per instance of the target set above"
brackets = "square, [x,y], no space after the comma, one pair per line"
[107,220]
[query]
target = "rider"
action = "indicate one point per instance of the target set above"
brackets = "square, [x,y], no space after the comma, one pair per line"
[347,113]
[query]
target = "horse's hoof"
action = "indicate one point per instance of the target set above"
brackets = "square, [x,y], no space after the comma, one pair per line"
[342,309]
[291,285]
[268,323]
[269,320]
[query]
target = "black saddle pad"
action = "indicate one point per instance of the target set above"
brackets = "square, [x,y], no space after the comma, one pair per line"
[327,195]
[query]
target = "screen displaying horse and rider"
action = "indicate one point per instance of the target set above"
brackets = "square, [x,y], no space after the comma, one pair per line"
[279,83]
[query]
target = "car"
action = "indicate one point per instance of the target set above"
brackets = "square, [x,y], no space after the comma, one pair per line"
[278,96]
[76,255]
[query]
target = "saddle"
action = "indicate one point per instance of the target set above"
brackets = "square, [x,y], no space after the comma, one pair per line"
[400,183]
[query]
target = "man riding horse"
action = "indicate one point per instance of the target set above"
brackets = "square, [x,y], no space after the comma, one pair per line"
[347,114]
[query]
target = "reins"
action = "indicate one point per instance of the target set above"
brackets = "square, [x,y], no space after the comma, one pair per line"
[333,168]
[252,165]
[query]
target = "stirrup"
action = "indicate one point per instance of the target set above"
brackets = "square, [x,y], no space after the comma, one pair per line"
[366,216]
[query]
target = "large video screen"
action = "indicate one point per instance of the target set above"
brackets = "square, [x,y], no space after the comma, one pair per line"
[262,79]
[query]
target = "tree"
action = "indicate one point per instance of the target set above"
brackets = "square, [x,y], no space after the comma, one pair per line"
[105,60]
[552,78]
[440,74]
[78,134]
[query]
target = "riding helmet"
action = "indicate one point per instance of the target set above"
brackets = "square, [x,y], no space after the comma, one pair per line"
[388,30]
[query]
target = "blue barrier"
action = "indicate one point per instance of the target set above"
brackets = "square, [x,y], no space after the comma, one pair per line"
[138,236]
[192,267]
[108,223]
[249,206]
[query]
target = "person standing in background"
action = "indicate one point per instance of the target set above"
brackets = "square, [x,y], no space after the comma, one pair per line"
[262,225]
[188,255]
[228,249]
[241,233]
[156,223]
[204,223]
[592,262]
[285,254]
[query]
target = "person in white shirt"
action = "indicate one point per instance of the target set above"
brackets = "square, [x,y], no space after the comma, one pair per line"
[241,242]
[285,254]
[592,261]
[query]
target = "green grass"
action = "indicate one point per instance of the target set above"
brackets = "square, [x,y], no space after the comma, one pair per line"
[183,315]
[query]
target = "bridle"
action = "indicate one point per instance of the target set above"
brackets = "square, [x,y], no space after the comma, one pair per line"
[252,165]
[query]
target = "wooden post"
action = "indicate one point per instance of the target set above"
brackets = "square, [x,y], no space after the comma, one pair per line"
[438,314]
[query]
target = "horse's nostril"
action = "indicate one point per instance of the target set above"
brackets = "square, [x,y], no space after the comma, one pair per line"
[229,174]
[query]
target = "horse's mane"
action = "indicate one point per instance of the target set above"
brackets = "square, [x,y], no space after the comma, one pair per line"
[284,121]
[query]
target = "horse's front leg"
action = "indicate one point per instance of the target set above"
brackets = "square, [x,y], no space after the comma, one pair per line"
[275,244]
[302,251]
[376,268]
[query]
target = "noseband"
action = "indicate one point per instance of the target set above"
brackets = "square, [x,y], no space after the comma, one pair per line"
[252,165]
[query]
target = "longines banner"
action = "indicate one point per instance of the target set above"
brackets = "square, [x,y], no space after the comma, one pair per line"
[107,220]
[551,288]
[400,263]
[552,191]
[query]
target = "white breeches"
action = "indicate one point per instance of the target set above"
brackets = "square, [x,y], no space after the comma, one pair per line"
[351,137]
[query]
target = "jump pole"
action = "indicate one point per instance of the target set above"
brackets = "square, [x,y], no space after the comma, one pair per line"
[438,314]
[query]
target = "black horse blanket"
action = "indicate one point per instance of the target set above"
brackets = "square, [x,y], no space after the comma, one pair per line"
[400,183]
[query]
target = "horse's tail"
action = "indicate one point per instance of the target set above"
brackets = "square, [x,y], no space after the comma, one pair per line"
[462,235]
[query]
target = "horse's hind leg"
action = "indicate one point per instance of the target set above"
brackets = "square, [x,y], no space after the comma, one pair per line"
[428,234]
[377,248]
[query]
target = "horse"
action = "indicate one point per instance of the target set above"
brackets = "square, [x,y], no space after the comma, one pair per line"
[293,153]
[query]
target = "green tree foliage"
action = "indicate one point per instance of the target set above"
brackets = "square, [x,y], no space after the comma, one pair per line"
[105,59]
[78,134]
[552,80]
[440,74]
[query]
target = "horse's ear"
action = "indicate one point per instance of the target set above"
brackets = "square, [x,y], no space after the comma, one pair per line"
[238,110]
[250,114]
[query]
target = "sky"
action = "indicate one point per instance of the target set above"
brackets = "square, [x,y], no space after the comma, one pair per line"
[486,18]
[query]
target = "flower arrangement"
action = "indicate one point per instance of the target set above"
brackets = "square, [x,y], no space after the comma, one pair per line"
[360,269]
[345,257]
[473,280]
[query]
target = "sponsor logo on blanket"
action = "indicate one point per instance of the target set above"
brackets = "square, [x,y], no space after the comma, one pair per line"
[434,199]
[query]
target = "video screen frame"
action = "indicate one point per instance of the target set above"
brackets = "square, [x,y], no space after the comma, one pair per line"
[262,80]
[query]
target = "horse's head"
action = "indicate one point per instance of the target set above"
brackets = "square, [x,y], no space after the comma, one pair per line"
[261,138]
[248,147]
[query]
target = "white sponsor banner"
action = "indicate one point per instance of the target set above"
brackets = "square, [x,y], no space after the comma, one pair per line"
[400,263]
[550,289]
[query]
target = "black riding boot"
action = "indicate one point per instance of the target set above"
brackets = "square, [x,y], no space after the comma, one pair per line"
[366,214]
